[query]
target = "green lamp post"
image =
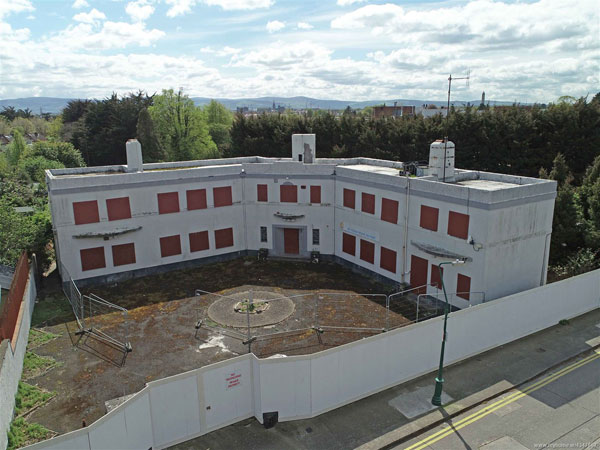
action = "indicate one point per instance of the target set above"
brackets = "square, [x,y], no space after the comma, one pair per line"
[439,381]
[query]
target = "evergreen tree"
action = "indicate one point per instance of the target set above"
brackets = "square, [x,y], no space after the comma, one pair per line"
[152,150]
[16,149]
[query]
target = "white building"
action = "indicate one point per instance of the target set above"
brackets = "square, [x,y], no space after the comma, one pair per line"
[116,222]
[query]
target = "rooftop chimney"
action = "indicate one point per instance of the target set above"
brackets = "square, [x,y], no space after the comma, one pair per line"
[134,156]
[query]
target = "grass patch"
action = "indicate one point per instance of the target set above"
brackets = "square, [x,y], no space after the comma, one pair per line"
[22,433]
[35,365]
[39,337]
[29,397]
[52,309]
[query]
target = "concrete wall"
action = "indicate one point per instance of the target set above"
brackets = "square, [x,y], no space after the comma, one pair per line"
[184,406]
[11,362]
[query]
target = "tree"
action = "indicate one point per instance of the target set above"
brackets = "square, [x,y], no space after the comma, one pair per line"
[181,127]
[61,152]
[35,167]
[152,150]
[15,149]
[75,110]
[219,120]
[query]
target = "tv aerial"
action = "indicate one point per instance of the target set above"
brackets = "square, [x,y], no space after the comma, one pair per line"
[467,79]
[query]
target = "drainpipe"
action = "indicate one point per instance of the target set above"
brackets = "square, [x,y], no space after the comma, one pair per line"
[404,252]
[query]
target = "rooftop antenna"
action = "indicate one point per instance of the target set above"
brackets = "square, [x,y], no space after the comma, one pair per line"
[467,78]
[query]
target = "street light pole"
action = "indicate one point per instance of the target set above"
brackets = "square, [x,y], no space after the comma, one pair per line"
[439,381]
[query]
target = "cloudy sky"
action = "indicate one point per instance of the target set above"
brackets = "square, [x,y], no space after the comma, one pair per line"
[330,49]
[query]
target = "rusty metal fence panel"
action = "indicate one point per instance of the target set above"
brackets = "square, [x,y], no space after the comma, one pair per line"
[9,312]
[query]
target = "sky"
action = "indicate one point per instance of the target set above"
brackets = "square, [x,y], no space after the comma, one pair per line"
[528,51]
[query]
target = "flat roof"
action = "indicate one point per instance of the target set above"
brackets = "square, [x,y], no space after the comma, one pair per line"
[487,185]
[374,169]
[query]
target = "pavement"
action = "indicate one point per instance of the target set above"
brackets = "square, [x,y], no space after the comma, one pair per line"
[565,409]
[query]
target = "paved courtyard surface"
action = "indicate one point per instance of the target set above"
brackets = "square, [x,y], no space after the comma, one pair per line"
[161,322]
[388,419]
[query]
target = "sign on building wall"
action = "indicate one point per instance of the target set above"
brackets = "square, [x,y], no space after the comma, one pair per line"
[360,232]
[233,379]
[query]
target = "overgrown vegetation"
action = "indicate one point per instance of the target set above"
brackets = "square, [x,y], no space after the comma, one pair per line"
[39,337]
[23,433]
[35,365]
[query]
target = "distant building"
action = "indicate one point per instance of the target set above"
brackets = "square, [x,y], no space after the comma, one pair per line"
[393,111]
[117,222]
[242,109]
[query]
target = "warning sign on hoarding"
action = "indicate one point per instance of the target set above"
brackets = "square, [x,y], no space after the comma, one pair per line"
[233,380]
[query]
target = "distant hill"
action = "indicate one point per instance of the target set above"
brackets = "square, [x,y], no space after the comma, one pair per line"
[55,105]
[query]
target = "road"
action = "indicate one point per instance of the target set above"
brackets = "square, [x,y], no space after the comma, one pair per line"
[560,409]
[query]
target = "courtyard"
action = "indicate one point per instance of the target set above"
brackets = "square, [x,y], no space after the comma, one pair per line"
[171,329]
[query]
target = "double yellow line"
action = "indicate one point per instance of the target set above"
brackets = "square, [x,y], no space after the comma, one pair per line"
[499,404]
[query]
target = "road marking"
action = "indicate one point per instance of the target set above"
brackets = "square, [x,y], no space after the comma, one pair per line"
[499,404]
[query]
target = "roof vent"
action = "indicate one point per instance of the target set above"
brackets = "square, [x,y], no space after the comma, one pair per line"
[134,156]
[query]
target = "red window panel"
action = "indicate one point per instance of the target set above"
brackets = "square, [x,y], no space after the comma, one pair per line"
[262,193]
[123,254]
[367,251]
[196,199]
[170,245]
[463,286]
[387,259]
[315,194]
[367,203]
[168,203]
[429,218]
[435,276]
[86,212]
[349,198]
[458,225]
[349,244]
[199,241]
[418,274]
[389,210]
[222,196]
[224,238]
[288,193]
[118,208]
[92,258]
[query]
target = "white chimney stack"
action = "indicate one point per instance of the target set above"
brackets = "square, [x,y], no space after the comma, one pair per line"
[440,165]
[304,148]
[134,156]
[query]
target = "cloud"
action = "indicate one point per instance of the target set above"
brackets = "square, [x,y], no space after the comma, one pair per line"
[14,6]
[225,51]
[229,5]
[304,26]
[348,2]
[78,4]
[139,10]
[182,7]
[274,25]
[92,17]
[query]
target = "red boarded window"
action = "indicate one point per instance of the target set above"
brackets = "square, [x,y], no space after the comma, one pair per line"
[418,274]
[349,198]
[92,258]
[429,218]
[389,210]
[170,245]
[198,241]
[458,225]
[118,208]
[349,244]
[262,193]
[222,196]
[367,251]
[463,286]
[387,259]
[168,203]
[196,199]
[224,238]
[86,212]
[435,276]
[288,193]
[123,254]
[315,194]
[368,203]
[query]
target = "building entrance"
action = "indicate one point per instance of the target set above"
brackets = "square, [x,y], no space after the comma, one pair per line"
[291,241]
